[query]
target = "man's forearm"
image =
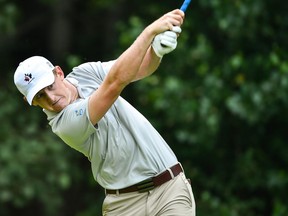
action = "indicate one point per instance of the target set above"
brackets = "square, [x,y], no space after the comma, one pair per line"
[149,64]
[128,65]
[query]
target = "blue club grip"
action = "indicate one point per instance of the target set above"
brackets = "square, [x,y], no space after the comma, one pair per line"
[185,5]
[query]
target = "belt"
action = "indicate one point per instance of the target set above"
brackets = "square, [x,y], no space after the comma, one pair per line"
[151,183]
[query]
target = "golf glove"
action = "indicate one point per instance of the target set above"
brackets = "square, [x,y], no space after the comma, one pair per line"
[166,42]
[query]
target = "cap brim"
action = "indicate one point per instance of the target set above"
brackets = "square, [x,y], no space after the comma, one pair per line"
[45,81]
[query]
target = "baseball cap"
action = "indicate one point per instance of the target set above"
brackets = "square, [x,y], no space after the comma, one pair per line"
[32,75]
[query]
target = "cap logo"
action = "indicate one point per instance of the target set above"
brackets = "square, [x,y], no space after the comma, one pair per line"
[28,77]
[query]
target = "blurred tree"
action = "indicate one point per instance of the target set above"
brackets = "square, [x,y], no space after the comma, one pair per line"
[219,100]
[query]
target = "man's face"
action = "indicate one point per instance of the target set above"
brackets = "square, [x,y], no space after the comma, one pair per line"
[56,96]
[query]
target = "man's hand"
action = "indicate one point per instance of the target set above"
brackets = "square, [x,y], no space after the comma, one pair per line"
[166,42]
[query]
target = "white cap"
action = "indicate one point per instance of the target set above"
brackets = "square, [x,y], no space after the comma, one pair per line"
[32,75]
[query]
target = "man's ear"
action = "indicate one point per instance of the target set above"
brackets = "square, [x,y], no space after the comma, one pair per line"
[58,71]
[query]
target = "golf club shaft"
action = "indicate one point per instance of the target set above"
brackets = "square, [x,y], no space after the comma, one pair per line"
[185,5]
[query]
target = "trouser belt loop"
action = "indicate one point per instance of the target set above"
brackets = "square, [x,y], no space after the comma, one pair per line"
[171,173]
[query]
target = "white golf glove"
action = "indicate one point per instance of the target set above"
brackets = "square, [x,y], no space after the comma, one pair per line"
[166,42]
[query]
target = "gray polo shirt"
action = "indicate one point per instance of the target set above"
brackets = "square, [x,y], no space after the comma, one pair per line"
[123,147]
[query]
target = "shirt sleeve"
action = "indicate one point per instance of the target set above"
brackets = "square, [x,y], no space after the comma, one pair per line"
[108,65]
[91,70]
[73,126]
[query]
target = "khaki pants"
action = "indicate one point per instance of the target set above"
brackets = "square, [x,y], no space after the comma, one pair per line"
[173,198]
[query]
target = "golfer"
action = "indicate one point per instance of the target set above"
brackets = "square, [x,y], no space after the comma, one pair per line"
[129,159]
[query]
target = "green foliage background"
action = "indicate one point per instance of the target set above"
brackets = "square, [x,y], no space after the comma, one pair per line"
[219,100]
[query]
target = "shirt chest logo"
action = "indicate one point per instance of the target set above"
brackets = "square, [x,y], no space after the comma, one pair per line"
[79,112]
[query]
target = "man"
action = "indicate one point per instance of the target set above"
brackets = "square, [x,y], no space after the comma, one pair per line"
[140,173]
